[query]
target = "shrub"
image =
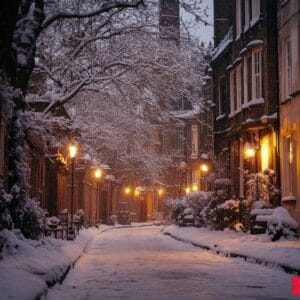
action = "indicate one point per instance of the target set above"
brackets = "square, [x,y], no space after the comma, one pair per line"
[282,224]
[226,215]
[191,205]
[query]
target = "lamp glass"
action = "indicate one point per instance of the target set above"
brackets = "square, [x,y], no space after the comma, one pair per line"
[72,151]
[204,168]
[194,188]
[249,152]
[160,192]
[98,173]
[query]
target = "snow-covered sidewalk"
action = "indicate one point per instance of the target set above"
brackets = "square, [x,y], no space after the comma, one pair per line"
[284,254]
[28,267]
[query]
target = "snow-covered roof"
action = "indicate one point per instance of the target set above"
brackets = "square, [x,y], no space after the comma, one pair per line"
[227,40]
[187,114]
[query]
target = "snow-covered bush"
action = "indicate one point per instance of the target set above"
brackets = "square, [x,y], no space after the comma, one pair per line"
[281,224]
[226,215]
[5,217]
[33,220]
[262,186]
[187,209]
[207,214]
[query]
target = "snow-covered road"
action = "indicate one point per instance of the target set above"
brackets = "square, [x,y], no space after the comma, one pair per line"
[141,263]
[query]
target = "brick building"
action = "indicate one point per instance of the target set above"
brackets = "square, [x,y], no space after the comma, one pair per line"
[289,93]
[245,79]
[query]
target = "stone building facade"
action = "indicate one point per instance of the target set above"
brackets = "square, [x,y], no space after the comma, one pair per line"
[246,88]
[289,94]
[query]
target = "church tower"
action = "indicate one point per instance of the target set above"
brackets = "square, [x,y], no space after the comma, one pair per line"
[169,23]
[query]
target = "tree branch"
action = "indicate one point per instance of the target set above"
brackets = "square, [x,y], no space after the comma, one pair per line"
[106,7]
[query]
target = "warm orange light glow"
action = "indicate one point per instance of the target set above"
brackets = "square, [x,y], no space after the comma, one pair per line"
[264,153]
[72,151]
[249,151]
[127,190]
[137,191]
[160,192]
[98,173]
[194,188]
[187,190]
[204,168]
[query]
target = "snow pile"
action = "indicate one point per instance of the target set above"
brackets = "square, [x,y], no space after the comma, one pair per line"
[280,223]
[27,267]
[259,248]
[282,218]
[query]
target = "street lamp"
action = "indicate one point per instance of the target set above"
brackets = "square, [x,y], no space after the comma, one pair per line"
[72,153]
[250,152]
[110,179]
[160,192]
[98,175]
[204,168]
[127,190]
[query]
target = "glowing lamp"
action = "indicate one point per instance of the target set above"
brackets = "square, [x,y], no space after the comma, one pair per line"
[249,151]
[98,173]
[194,188]
[160,192]
[72,151]
[127,190]
[204,168]
[187,190]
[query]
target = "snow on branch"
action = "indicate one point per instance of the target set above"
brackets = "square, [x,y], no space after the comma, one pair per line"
[105,7]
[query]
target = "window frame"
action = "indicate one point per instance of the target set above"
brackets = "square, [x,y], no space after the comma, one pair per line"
[257,74]
[288,67]
[220,108]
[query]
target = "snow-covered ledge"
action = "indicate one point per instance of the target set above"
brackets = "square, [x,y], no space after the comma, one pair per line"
[289,198]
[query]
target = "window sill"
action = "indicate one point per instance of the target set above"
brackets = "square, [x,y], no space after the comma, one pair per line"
[290,198]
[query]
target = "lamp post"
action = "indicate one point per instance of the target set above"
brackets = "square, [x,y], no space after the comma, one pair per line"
[109,178]
[251,152]
[98,175]
[72,153]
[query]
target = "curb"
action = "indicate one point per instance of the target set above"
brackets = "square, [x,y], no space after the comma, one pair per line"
[247,258]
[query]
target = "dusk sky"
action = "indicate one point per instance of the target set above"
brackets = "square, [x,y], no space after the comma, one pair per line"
[199,30]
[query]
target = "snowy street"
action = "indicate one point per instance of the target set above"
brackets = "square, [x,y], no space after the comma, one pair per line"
[142,263]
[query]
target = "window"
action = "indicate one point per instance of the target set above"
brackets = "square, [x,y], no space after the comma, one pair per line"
[249,77]
[245,81]
[238,18]
[221,94]
[194,141]
[179,141]
[238,87]
[247,14]
[255,10]
[233,100]
[257,74]
[288,67]
[290,164]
